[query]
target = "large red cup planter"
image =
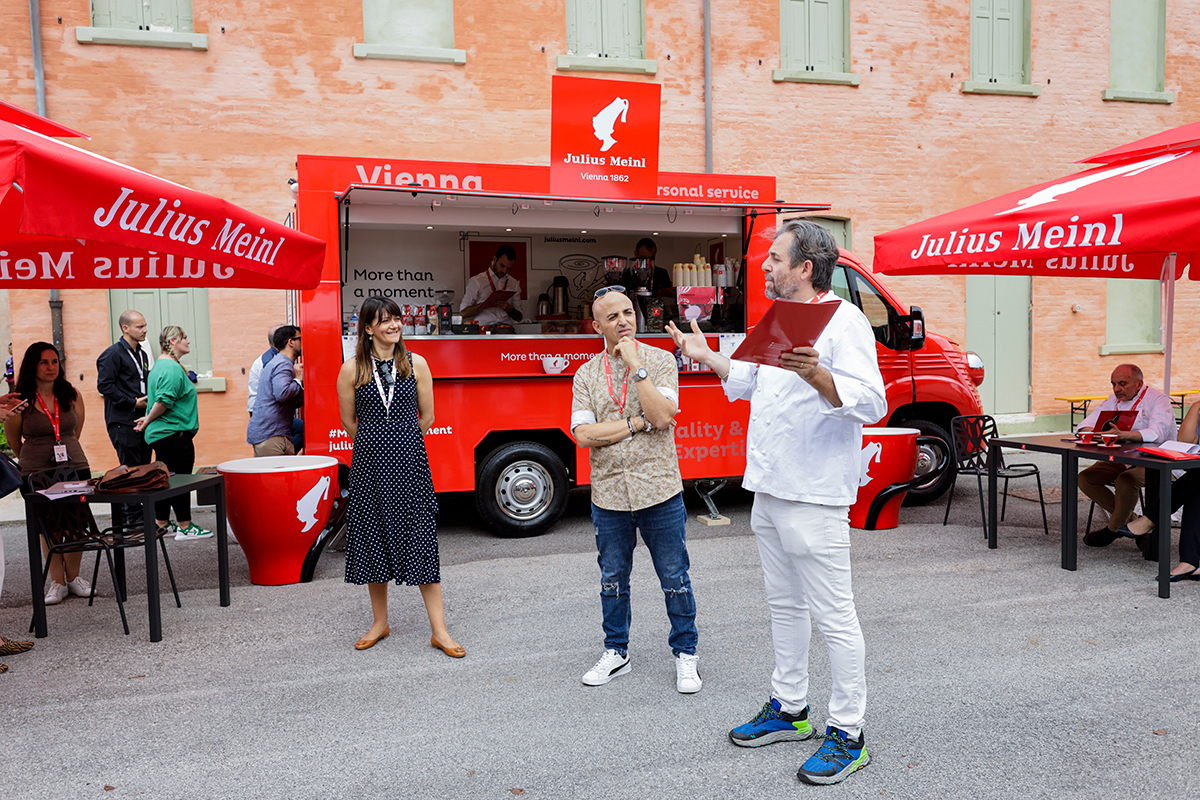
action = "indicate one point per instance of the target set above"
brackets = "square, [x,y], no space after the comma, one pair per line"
[888,462]
[277,507]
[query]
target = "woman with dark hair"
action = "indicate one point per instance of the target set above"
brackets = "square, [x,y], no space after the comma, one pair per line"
[170,425]
[385,398]
[45,435]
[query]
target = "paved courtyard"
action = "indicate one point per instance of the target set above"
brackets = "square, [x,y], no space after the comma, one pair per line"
[991,674]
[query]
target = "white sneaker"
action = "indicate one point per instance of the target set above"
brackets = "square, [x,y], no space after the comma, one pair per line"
[57,593]
[191,533]
[687,674]
[610,665]
[80,587]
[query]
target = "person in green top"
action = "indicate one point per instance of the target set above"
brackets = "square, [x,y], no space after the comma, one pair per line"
[170,425]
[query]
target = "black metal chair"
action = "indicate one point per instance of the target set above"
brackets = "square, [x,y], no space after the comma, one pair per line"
[67,525]
[969,442]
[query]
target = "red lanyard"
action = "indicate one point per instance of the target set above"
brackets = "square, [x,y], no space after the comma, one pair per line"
[53,419]
[503,281]
[1139,399]
[820,298]
[624,386]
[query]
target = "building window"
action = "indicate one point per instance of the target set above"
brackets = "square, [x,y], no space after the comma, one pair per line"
[149,23]
[1137,52]
[409,30]
[1132,318]
[814,39]
[187,308]
[1000,56]
[606,36]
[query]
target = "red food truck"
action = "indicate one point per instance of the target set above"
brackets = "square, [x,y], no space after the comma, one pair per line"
[416,230]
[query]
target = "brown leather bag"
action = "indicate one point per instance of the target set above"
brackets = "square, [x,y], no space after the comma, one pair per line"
[143,478]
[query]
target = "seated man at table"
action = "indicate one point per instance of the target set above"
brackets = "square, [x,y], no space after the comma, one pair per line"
[1153,421]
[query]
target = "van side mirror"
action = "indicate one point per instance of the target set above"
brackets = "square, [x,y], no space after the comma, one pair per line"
[910,329]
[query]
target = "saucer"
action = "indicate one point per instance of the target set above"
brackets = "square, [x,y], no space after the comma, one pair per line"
[1108,446]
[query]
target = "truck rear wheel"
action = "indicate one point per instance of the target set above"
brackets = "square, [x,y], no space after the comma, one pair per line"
[927,458]
[521,489]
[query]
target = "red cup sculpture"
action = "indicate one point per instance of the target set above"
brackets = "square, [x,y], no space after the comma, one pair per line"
[277,507]
[888,462]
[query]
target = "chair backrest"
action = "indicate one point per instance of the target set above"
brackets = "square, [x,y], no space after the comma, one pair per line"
[66,520]
[968,438]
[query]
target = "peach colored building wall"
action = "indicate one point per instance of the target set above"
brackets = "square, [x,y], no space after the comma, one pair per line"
[280,79]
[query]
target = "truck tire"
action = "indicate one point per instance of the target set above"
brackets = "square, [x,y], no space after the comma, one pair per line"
[521,489]
[926,458]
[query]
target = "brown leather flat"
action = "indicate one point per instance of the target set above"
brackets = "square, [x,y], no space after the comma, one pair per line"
[10,647]
[366,642]
[453,652]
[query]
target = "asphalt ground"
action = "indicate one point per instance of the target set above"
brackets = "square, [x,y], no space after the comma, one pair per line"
[991,673]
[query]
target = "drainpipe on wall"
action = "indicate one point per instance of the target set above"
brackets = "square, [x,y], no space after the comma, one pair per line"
[708,146]
[39,82]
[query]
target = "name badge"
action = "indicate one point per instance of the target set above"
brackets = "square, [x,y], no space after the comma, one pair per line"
[60,453]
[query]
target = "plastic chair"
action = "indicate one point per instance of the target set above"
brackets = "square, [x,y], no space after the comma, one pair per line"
[68,526]
[969,437]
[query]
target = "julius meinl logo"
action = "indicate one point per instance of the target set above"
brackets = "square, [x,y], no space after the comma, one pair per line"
[603,128]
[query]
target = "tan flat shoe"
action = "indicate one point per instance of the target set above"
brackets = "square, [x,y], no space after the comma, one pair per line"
[367,642]
[10,647]
[454,652]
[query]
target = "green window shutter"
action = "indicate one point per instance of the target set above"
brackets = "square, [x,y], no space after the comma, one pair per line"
[584,28]
[409,23]
[127,14]
[814,35]
[187,308]
[998,41]
[1137,45]
[826,34]
[981,40]
[102,13]
[183,16]
[161,14]
[795,34]
[634,14]
[1132,313]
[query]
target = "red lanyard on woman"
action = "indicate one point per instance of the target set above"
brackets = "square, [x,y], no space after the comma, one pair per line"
[53,419]
[624,386]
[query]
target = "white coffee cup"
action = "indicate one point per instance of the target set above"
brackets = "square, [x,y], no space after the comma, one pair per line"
[554,364]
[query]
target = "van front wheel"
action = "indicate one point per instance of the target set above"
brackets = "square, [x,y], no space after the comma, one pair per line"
[521,489]
[928,456]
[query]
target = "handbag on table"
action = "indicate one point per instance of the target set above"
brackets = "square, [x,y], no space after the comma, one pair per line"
[142,478]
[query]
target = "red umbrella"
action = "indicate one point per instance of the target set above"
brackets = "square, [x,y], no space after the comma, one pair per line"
[1138,216]
[73,219]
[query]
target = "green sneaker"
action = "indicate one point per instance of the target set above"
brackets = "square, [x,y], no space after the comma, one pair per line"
[191,533]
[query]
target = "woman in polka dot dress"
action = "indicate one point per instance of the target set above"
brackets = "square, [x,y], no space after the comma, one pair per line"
[385,396]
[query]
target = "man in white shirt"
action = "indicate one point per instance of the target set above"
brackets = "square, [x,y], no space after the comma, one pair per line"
[495,278]
[1154,421]
[802,463]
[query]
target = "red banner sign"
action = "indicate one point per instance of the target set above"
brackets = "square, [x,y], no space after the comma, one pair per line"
[604,138]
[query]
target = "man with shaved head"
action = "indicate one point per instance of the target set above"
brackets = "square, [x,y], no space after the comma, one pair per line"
[121,378]
[623,410]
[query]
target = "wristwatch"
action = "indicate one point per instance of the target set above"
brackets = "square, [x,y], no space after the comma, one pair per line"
[640,374]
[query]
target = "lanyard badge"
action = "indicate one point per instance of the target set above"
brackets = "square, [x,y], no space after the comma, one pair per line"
[141,369]
[387,401]
[60,449]
[624,386]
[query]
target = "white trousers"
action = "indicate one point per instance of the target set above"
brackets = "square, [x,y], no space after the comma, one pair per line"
[805,551]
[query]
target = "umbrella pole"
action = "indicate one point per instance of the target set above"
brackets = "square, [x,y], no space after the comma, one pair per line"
[1168,286]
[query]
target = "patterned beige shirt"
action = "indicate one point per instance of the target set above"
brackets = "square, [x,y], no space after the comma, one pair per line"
[642,470]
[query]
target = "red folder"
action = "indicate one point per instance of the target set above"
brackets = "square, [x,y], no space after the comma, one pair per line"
[1122,420]
[786,325]
[1174,455]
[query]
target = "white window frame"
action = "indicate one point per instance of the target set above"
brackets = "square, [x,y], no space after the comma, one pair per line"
[403,52]
[108,28]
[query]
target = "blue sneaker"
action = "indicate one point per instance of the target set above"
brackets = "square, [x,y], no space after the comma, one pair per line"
[838,756]
[771,725]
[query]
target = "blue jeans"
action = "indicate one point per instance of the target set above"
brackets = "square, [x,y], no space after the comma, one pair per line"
[663,530]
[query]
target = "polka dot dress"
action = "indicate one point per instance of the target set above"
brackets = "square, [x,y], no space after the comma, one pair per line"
[391,533]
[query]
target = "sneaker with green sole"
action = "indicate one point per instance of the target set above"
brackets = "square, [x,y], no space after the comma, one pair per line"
[835,759]
[772,724]
[192,532]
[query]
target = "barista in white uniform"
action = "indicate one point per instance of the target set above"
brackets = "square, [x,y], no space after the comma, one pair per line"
[494,278]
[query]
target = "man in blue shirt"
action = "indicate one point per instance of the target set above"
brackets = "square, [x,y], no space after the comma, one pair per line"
[279,393]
